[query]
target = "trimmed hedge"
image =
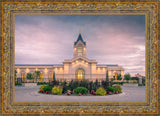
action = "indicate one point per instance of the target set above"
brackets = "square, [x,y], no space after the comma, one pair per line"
[57,90]
[120,83]
[47,88]
[81,90]
[41,87]
[118,88]
[101,91]
[18,84]
[42,83]
[112,89]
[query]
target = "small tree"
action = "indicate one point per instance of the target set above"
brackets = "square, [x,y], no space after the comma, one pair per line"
[54,77]
[127,77]
[29,76]
[15,74]
[37,75]
[119,77]
[107,79]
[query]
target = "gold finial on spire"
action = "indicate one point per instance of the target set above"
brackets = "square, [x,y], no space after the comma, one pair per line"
[80,31]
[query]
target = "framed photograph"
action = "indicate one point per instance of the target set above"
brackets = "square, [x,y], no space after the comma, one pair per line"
[79,58]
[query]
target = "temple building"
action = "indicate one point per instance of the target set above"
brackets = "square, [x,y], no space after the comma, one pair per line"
[79,67]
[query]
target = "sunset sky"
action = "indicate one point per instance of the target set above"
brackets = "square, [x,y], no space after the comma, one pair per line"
[110,39]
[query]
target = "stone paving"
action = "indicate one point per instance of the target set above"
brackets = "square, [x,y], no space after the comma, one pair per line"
[31,94]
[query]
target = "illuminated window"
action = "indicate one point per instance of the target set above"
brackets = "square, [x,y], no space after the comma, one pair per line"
[41,77]
[45,70]
[23,76]
[80,51]
[33,75]
[50,76]
[80,74]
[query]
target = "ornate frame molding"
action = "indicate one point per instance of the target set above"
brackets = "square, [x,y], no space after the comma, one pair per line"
[10,9]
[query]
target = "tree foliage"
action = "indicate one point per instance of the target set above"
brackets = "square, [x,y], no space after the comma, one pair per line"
[107,78]
[29,76]
[127,77]
[37,74]
[15,73]
[119,77]
[54,77]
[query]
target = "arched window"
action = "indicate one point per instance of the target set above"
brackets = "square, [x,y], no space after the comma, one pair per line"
[115,75]
[23,76]
[80,74]
[33,75]
[50,77]
[41,76]
[79,51]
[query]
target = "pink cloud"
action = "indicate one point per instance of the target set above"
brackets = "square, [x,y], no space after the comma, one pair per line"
[51,41]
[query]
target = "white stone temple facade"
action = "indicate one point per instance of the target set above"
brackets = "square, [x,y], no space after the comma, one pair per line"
[79,67]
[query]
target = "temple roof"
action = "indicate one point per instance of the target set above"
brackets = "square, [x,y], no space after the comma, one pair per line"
[58,64]
[108,65]
[38,64]
[80,39]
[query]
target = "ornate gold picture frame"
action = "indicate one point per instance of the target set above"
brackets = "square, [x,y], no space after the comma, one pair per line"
[10,9]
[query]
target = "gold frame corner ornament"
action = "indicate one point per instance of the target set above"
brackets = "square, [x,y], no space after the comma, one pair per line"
[149,9]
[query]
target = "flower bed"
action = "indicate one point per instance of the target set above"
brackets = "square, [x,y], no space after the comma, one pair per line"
[80,91]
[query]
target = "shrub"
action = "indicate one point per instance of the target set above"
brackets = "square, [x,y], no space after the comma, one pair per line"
[134,81]
[29,76]
[119,77]
[42,83]
[41,87]
[105,84]
[47,88]
[112,89]
[143,79]
[81,90]
[112,79]
[127,77]
[18,84]
[57,90]
[67,84]
[141,84]
[118,88]
[120,83]
[101,91]
[74,84]
[65,89]
[84,83]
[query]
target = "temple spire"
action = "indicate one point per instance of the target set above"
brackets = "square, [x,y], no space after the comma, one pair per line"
[80,39]
[80,31]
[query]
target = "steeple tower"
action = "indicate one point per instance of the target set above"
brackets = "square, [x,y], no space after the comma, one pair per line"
[79,46]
